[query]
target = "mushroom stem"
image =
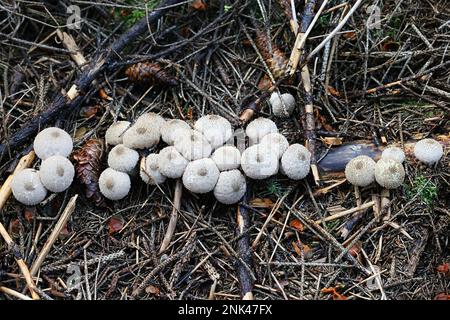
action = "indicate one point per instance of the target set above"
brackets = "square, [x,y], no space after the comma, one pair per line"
[385,195]
[357,196]
[173,216]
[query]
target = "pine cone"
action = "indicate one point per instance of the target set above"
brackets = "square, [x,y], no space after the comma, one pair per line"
[275,59]
[151,73]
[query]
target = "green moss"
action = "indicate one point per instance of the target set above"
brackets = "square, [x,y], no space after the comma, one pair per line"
[424,188]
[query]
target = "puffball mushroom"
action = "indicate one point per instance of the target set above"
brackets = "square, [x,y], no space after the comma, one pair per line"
[360,171]
[141,135]
[172,130]
[282,104]
[27,188]
[193,145]
[227,158]
[428,150]
[151,118]
[275,142]
[258,163]
[259,128]
[122,158]
[56,173]
[171,162]
[216,129]
[295,162]
[114,134]
[393,153]
[150,172]
[114,184]
[52,141]
[230,187]
[389,173]
[201,175]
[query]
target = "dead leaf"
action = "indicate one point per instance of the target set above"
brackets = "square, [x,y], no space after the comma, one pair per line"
[444,268]
[80,132]
[349,35]
[261,203]
[300,247]
[14,228]
[442,296]
[103,95]
[90,111]
[29,213]
[297,225]
[64,233]
[333,291]
[333,91]
[199,5]
[332,141]
[189,113]
[152,290]
[390,46]
[265,83]
[115,224]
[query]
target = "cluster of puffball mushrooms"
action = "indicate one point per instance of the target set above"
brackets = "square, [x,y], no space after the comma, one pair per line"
[204,156]
[52,146]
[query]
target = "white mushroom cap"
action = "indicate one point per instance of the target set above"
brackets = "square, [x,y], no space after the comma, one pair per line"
[216,129]
[360,171]
[275,142]
[141,135]
[52,141]
[258,128]
[114,134]
[171,162]
[282,105]
[393,153]
[193,146]
[201,175]
[151,118]
[230,187]
[113,184]
[56,173]
[172,130]
[258,163]
[122,158]
[389,173]
[150,170]
[27,188]
[295,162]
[428,150]
[227,158]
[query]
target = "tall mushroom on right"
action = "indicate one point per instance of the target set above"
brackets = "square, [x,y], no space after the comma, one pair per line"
[428,151]
[390,175]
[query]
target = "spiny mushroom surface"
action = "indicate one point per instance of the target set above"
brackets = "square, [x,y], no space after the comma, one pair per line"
[114,134]
[428,151]
[174,129]
[259,128]
[141,135]
[389,173]
[216,129]
[393,153]
[230,187]
[258,163]
[295,162]
[360,171]
[114,184]
[282,105]
[52,141]
[201,175]
[227,158]
[275,142]
[56,173]
[171,162]
[122,158]
[27,188]
[193,146]
[149,170]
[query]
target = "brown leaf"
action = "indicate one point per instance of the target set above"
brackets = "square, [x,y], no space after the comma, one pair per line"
[261,203]
[88,166]
[349,35]
[442,296]
[332,141]
[29,213]
[444,268]
[90,111]
[14,228]
[152,290]
[272,55]
[333,91]
[115,224]
[149,72]
[64,233]
[297,225]
[265,83]
[199,5]
[333,291]
[103,95]
[302,248]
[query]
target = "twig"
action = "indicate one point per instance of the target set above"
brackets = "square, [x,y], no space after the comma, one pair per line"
[345,213]
[173,216]
[14,293]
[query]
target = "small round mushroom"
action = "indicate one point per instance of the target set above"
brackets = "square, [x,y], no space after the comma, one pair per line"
[428,151]
[282,105]
[141,135]
[56,173]
[201,175]
[150,172]
[389,173]
[275,142]
[360,171]
[171,162]
[114,134]
[216,129]
[172,130]
[258,163]
[393,153]
[193,146]
[151,118]
[227,158]
[114,184]
[52,141]
[123,159]
[259,128]
[295,162]
[230,187]
[27,188]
